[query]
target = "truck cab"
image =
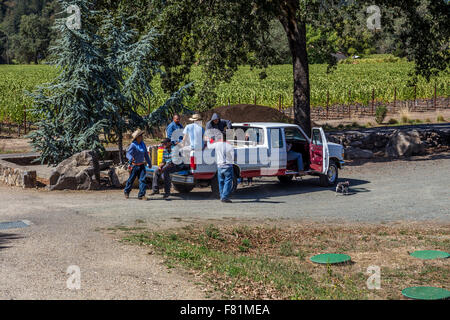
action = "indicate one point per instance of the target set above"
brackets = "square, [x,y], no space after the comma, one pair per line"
[320,157]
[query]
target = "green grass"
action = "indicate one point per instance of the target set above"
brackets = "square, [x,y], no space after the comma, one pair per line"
[262,262]
[286,277]
[9,151]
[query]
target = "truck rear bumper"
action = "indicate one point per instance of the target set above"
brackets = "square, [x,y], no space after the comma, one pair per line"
[182,177]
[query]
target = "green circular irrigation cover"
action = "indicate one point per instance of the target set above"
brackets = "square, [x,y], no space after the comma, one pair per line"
[430,254]
[426,293]
[331,258]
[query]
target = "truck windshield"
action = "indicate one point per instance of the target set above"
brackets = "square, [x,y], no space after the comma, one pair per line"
[294,135]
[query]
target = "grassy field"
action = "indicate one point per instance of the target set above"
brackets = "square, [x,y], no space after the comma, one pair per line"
[272,262]
[14,80]
[352,82]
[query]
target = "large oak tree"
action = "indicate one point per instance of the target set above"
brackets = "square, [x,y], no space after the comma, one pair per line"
[221,35]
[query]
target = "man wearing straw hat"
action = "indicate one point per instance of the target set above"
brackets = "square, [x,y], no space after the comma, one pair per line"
[194,132]
[137,154]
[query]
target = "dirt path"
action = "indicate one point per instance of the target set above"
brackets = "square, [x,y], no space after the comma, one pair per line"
[34,260]
[66,226]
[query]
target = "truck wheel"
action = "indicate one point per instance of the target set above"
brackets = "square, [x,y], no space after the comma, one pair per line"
[183,188]
[215,185]
[285,179]
[332,176]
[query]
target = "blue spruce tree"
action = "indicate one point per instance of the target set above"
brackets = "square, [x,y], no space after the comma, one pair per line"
[72,107]
[105,76]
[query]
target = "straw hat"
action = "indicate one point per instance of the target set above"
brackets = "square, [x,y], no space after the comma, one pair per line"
[137,133]
[195,117]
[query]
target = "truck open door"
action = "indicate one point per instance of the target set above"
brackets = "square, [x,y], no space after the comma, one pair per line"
[320,155]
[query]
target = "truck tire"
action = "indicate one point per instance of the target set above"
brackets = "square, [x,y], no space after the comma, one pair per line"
[215,185]
[331,178]
[183,188]
[285,179]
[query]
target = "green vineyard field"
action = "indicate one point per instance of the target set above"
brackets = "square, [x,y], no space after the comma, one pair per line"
[349,83]
[14,81]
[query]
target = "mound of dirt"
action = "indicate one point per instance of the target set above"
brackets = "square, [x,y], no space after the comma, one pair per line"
[244,113]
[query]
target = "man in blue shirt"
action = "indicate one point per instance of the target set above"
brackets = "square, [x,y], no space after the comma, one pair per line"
[174,126]
[137,155]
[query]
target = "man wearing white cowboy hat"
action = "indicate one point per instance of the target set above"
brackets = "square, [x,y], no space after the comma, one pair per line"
[194,133]
[137,154]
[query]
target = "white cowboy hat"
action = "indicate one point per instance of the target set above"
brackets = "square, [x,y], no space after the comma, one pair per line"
[137,133]
[195,117]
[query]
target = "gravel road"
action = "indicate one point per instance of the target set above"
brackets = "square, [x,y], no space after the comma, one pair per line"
[65,226]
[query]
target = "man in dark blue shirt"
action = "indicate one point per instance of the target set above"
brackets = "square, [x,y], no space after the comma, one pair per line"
[137,155]
[174,126]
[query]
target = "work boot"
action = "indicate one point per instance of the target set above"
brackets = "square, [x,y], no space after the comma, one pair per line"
[226,201]
[166,196]
[127,195]
[144,198]
[154,192]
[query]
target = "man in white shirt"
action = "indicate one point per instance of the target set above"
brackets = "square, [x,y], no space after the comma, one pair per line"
[194,133]
[224,159]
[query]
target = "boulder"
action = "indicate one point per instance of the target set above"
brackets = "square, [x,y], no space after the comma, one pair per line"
[79,172]
[356,144]
[405,144]
[352,153]
[119,177]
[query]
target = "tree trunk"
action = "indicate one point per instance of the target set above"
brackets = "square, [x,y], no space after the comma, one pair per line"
[296,34]
[120,144]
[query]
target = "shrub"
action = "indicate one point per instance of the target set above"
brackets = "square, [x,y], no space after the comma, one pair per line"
[380,114]
[213,232]
[392,121]
[404,119]
[404,115]
[440,118]
[246,245]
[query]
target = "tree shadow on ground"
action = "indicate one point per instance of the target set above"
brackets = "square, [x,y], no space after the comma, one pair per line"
[266,191]
[6,238]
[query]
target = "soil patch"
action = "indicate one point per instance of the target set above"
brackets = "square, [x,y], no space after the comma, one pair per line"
[244,113]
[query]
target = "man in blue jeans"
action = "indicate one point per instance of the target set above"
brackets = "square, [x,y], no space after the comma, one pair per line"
[225,159]
[292,155]
[137,155]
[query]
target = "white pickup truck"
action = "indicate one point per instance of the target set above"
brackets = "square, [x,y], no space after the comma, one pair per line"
[261,151]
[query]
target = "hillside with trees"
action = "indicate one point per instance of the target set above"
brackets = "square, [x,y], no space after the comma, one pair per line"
[26,33]
[25,30]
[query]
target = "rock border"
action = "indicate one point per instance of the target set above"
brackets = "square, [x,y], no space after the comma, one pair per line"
[16,176]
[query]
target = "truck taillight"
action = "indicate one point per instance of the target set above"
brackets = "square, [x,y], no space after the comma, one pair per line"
[193,164]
